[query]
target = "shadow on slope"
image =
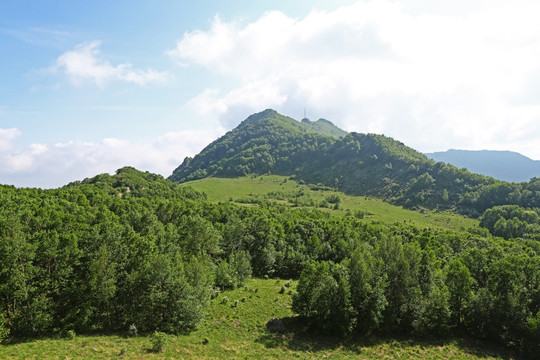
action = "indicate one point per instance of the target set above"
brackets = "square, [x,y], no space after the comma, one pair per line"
[300,338]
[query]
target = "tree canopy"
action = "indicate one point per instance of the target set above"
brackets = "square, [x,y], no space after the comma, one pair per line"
[134,248]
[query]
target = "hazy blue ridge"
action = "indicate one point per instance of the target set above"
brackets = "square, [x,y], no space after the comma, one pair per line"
[503,165]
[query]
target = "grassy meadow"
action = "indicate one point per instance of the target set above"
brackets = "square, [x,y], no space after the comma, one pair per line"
[234,328]
[281,189]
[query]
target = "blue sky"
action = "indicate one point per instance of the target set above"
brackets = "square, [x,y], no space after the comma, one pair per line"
[91,86]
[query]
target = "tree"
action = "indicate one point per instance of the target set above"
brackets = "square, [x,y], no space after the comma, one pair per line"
[460,284]
[433,314]
[368,284]
[403,293]
[323,297]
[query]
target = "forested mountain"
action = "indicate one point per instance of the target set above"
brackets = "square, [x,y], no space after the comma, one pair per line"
[360,164]
[502,165]
[266,142]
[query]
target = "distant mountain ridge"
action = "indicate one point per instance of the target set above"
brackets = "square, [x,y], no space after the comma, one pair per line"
[503,165]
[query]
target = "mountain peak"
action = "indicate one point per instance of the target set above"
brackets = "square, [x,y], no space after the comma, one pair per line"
[265,114]
[264,142]
[272,117]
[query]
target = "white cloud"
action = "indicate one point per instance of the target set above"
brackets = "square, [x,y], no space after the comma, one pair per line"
[210,105]
[434,80]
[54,165]
[6,138]
[86,63]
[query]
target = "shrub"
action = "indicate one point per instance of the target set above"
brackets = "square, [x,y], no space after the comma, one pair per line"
[214,292]
[240,267]
[123,350]
[158,341]
[333,199]
[224,278]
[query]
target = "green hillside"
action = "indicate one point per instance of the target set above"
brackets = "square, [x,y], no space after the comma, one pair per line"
[358,164]
[282,190]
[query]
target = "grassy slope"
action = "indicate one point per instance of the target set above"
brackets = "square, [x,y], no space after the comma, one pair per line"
[238,332]
[224,189]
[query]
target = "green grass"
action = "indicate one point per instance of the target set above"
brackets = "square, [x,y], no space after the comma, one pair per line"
[252,188]
[238,332]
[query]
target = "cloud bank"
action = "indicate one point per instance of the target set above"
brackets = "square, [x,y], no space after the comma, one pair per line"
[433,81]
[54,165]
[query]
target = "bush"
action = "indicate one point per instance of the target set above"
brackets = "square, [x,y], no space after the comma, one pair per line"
[234,272]
[333,199]
[214,292]
[240,265]
[224,278]
[158,341]
[123,351]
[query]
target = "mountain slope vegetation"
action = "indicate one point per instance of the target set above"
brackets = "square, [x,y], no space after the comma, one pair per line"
[275,189]
[264,142]
[360,164]
[135,249]
[232,331]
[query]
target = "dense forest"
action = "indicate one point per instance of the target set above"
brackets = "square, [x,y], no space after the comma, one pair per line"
[358,164]
[136,249]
